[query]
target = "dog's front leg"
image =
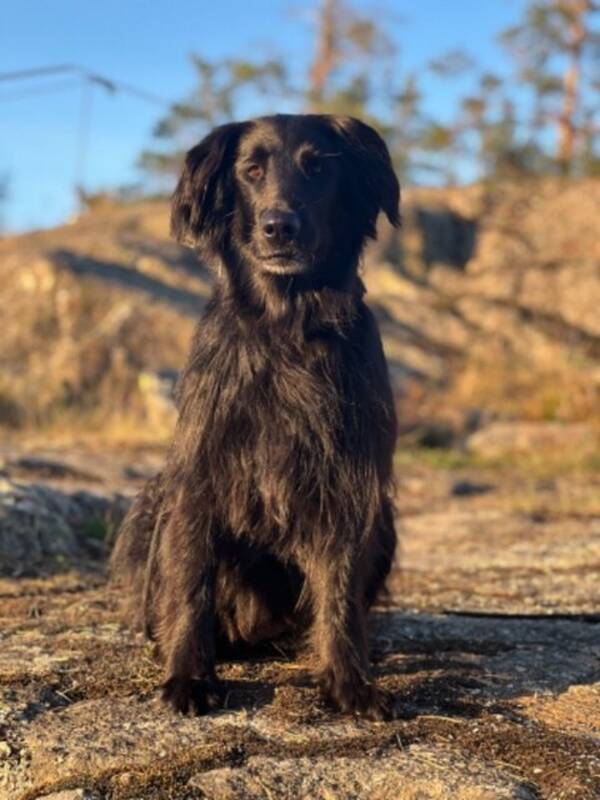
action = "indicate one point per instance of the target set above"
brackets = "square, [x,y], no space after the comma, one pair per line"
[339,636]
[186,610]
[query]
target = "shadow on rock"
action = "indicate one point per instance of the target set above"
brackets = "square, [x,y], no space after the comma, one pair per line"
[464,666]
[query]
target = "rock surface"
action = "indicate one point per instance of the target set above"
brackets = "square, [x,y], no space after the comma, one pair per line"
[490,641]
[512,438]
[44,529]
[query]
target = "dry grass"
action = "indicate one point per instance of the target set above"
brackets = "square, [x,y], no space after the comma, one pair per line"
[514,386]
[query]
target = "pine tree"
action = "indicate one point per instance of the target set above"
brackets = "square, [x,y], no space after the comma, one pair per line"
[350,69]
[554,46]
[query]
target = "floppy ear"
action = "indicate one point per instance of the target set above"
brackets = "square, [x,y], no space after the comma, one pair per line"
[371,171]
[204,195]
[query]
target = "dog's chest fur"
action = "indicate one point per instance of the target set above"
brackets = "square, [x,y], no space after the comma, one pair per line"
[287,415]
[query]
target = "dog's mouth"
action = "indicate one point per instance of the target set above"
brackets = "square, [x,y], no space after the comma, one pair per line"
[284,263]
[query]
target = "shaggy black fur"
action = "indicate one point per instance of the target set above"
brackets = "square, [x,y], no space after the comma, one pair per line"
[273,514]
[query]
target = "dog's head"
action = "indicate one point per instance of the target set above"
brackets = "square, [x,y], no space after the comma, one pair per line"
[288,196]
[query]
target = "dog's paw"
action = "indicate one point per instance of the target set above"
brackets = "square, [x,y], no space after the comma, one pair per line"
[193,696]
[359,697]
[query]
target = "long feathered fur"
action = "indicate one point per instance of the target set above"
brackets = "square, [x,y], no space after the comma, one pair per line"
[273,513]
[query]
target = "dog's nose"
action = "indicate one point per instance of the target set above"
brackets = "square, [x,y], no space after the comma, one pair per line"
[280,226]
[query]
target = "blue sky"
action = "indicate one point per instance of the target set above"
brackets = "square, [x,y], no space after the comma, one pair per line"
[146,44]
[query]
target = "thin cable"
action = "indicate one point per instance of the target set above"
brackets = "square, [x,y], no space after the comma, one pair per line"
[94,77]
[25,74]
[8,97]
[83,135]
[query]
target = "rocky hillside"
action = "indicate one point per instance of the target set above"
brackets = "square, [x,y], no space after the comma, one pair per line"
[488,301]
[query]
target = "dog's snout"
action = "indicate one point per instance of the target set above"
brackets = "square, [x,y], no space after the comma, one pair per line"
[280,226]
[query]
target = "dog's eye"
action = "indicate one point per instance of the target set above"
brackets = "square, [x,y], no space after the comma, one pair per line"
[312,165]
[254,172]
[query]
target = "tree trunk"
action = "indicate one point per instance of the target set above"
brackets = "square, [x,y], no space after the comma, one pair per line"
[567,129]
[326,55]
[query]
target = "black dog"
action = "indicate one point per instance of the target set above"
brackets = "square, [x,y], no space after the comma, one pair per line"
[273,513]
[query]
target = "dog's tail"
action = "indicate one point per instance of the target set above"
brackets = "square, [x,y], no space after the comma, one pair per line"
[130,555]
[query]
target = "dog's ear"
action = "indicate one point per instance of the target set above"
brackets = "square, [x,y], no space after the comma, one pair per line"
[204,196]
[370,171]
